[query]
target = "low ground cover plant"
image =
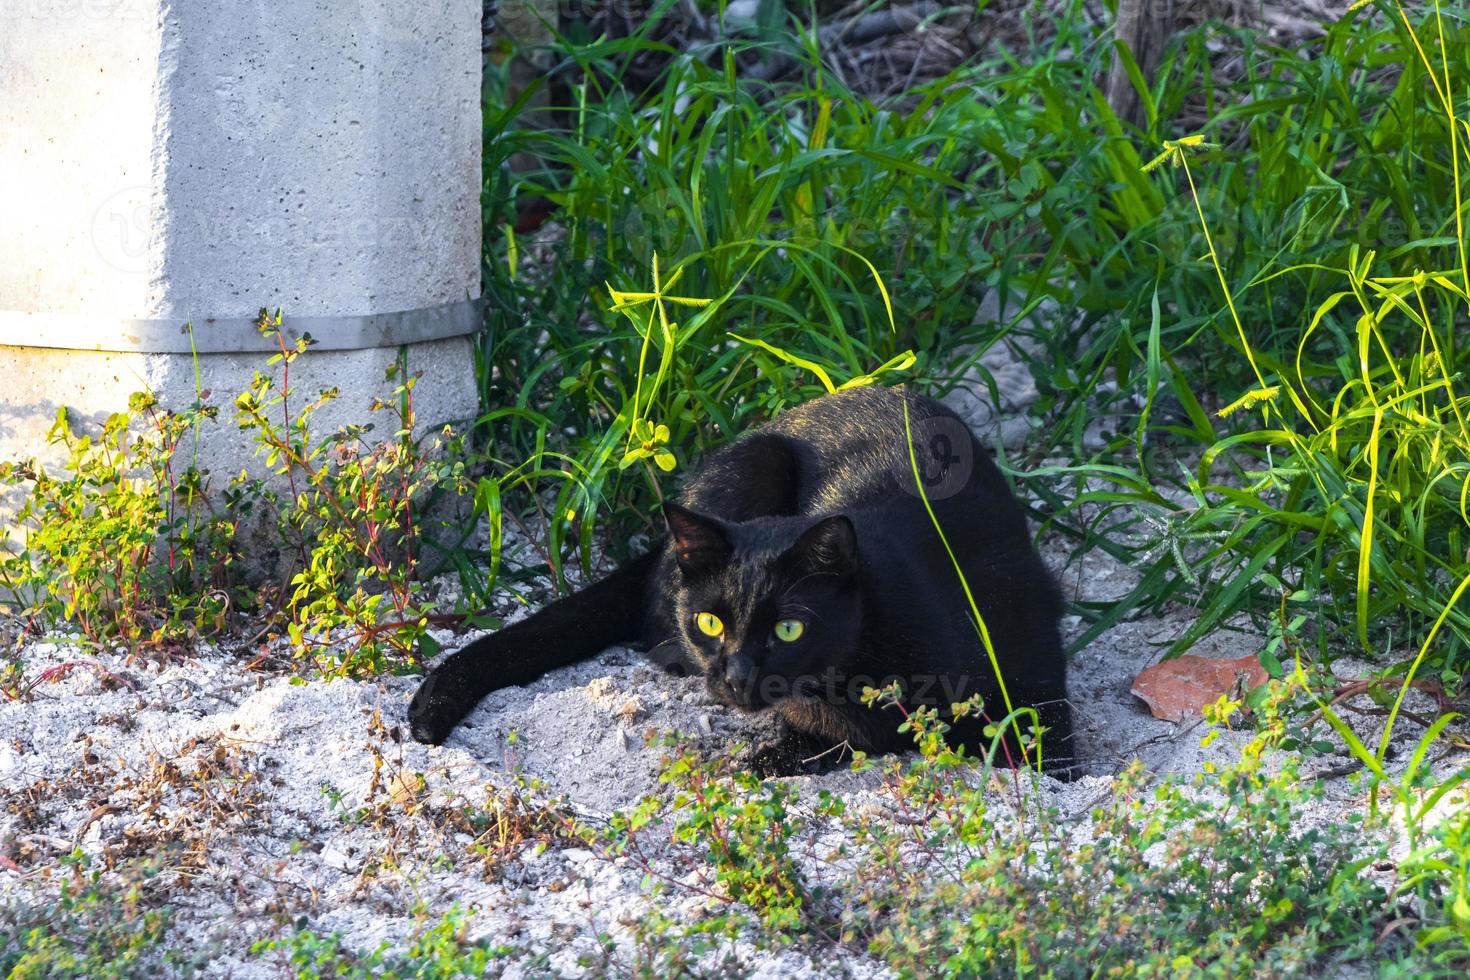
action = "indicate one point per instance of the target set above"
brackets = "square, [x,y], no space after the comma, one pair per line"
[951,874]
[123,540]
[93,928]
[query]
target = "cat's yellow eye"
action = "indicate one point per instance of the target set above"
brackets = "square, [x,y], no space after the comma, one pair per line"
[790,630]
[709,624]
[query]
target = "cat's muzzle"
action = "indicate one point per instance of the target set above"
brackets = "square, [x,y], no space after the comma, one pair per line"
[736,681]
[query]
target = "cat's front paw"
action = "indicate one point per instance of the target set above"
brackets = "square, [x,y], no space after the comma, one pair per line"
[786,756]
[771,759]
[431,718]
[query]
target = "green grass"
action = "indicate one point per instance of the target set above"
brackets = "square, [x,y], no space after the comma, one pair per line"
[783,202]
[1335,481]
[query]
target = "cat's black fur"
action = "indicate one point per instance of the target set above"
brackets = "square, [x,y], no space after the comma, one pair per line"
[814,516]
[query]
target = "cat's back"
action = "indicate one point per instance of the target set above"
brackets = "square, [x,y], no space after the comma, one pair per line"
[869,414]
[853,445]
[846,451]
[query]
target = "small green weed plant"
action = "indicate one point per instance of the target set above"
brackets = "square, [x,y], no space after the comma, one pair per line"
[1436,873]
[739,826]
[122,540]
[352,517]
[441,950]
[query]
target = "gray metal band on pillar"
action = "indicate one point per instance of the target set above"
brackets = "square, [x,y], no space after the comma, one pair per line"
[237,335]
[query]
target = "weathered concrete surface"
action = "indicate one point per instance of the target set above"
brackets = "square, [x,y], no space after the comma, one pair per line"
[93,384]
[195,162]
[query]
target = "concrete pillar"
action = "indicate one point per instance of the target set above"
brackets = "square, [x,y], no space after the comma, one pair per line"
[164,163]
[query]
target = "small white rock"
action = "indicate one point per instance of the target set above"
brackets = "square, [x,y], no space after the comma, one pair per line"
[334,856]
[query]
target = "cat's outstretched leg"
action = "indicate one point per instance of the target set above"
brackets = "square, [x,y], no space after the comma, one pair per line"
[605,613]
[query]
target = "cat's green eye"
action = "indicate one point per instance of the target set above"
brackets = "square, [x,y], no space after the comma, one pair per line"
[790,630]
[709,624]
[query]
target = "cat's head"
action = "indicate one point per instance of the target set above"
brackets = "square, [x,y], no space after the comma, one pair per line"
[769,608]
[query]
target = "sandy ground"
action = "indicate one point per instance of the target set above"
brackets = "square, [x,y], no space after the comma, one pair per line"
[284,800]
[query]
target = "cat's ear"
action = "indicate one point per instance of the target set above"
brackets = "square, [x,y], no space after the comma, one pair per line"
[830,545]
[700,543]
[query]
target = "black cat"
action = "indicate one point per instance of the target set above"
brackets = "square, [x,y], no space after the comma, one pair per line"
[800,567]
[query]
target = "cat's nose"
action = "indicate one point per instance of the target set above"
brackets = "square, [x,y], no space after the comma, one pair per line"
[740,673]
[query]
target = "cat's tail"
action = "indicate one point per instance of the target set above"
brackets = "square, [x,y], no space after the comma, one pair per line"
[575,628]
